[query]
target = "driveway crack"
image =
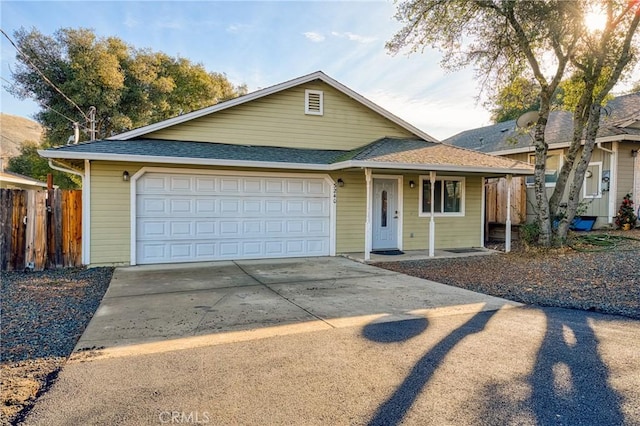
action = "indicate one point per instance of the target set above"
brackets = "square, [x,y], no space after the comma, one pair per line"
[283,297]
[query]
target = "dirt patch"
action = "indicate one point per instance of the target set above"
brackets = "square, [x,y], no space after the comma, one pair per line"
[43,315]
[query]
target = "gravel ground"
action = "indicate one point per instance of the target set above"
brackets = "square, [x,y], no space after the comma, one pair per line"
[607,281]
[43,315]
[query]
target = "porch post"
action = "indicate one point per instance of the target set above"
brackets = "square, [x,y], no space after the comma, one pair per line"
[432,221]
[367,222]
[507,237]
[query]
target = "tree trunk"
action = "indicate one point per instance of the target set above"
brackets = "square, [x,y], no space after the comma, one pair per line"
[542,204]
[573,200]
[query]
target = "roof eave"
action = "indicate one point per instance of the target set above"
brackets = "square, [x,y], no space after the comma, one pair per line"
[278,165]
[177,160]
[438,167]
[614,138]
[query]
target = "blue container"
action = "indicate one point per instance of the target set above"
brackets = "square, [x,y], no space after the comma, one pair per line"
[583,223]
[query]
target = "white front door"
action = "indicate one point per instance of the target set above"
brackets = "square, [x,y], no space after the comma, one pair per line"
[385,214]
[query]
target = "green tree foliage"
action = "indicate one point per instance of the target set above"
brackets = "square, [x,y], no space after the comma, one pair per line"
[29,163]
[545,42]
[518,97]
[129,87]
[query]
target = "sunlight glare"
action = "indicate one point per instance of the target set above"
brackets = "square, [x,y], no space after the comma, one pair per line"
[595,20]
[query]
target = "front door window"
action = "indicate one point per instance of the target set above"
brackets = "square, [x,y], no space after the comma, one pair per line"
[383,219]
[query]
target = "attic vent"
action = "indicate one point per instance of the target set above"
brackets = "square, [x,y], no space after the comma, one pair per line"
[313,104]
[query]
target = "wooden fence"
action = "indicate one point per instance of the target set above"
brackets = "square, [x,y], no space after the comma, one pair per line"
[496,201]
[40,229]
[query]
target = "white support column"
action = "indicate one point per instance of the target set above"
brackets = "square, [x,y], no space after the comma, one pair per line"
[432,221]
[367,225]
[507,236]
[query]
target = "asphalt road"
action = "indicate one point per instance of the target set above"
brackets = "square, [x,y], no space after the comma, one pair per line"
[522,366]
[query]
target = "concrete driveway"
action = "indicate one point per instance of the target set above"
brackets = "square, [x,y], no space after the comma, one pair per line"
[314,342]
[183,306]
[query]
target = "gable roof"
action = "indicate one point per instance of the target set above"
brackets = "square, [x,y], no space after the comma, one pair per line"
[318,75]
[385,153]
[619,114]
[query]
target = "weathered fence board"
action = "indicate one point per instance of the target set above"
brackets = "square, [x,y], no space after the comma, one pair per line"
[496,201]
[40,229]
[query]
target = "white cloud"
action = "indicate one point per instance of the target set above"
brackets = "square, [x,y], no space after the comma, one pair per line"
[130,21]
[436,116]
[314,37]
[236,28]
[354,37]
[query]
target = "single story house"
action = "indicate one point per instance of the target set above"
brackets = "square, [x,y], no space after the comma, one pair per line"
[614,169]
[10,180]
[307,167]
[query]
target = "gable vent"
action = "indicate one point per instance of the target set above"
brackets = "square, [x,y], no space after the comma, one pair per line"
[313,102]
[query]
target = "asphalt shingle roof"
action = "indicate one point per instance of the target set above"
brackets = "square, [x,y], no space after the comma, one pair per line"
[386,150]
[205,150]
[413,151]
[504,136]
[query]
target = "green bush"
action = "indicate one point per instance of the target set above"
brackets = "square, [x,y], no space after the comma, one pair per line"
[529,233]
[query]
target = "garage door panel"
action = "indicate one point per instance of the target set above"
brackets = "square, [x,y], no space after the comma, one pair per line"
[181,184]
[183,218]
[206,184]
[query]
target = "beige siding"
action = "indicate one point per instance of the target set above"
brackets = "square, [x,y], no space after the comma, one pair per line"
[110,213]
[451,232]
[350,212]
[279,120]
[594,206]
[625,171]
[111,230]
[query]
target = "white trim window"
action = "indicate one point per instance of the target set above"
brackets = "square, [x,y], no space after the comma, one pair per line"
[448,197]
[592,185]
[555,159]
[313,102]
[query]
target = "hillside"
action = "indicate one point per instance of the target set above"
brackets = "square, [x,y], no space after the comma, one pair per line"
[15,131]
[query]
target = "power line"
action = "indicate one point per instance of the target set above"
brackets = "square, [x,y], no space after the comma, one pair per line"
[28,59]
[42,104]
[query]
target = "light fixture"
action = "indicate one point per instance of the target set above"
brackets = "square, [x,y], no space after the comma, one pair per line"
[634,153]
[340,182]
[412,184]
[125,176]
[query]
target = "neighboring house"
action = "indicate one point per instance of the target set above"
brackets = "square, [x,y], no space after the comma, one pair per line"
[304,168]
[614,169]
[10,180]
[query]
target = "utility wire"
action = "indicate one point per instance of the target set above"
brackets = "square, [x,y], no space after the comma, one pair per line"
[24,55]
[42,104]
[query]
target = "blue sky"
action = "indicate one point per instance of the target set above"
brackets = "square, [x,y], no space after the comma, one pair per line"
[265,43]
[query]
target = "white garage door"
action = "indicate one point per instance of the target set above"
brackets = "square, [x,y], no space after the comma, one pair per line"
[197,217]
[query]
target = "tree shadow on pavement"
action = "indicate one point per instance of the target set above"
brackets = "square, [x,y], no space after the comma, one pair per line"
[392,411]
[569,383]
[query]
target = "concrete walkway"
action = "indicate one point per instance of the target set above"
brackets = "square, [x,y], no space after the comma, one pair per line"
[150,309]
